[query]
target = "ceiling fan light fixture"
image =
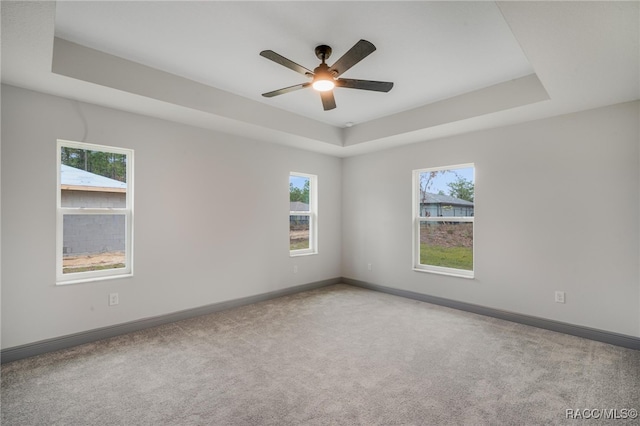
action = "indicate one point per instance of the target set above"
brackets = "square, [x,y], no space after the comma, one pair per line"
[323,84]
[323,79]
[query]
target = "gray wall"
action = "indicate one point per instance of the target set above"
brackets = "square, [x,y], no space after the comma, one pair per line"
[536,227]
[191,247]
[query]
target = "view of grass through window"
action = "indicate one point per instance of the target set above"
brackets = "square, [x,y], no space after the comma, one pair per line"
[448,244]
[446,211]
[299,216]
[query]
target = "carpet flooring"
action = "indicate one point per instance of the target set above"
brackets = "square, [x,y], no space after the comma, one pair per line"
[339,355]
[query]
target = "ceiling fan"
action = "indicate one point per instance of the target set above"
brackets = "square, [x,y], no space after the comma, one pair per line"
[324,77]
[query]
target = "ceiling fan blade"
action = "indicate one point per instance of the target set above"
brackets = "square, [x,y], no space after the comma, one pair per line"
[286,90]
[328,100]
[279,59]
[358,52]
[377,86]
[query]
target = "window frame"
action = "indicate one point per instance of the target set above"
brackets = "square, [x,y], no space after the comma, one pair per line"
[61,212]
[312,214]
[416,219]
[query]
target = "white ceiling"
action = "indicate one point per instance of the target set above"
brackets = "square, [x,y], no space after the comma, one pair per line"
[426,49]
[456,66]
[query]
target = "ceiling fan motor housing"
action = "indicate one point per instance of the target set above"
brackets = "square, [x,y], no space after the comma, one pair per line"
[323,71]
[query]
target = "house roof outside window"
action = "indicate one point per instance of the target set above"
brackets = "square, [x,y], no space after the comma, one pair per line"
[81,180]
[429,198]
[298,206]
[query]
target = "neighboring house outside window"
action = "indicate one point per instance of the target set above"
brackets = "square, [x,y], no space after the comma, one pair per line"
[436,205]
[303,214]
[95,212]
[443,220]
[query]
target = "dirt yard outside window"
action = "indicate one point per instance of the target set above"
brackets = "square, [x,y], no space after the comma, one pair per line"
[299,238]
[92,262]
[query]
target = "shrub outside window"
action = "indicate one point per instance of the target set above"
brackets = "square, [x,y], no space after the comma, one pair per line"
[303,217]
[443,219]
[94,212]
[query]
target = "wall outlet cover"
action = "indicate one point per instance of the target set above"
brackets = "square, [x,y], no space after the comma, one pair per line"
[113,299]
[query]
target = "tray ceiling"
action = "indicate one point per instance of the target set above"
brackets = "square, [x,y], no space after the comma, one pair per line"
[457,66]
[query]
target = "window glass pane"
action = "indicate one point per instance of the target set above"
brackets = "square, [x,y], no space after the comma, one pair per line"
[447,193]
[448,244]
[303,214]
[298,232]
[92,179]
[93,242]
[299,187]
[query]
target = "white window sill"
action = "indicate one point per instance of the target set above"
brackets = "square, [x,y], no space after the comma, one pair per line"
[452,273]
[305,253]
[93,279]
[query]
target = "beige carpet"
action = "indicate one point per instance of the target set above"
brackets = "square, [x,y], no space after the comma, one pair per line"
[338,355]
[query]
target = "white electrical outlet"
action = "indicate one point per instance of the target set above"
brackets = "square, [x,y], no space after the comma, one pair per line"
[113,299]
[368,266]
[559,296]
[295,269]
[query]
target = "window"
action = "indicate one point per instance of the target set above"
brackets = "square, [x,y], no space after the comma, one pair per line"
[94,212]
[303,216]
[443,216]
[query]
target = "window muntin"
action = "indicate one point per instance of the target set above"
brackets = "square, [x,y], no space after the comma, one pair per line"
[443,219]
[303,216]
[94,212]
